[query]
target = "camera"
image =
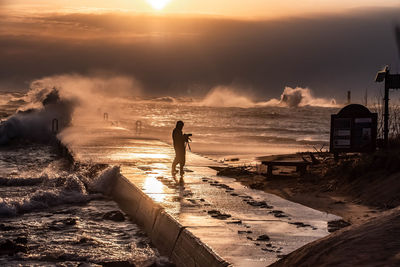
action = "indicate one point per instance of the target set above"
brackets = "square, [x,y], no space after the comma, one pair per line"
[187,137]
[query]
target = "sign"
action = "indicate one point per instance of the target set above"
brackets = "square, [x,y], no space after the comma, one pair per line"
[353,129]
[393,81]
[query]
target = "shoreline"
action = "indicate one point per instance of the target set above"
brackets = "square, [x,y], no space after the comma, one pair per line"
[303,190]
[361,188]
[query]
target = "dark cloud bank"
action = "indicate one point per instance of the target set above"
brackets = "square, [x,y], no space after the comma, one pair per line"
[180,55]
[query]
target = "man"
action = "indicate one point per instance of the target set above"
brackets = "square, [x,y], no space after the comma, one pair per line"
[179,146]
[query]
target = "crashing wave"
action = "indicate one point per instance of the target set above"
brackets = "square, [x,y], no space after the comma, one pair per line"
[299,97]
[73,189]
[222,96]
[34,122]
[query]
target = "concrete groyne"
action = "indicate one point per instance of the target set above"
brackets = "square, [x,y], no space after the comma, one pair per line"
[168,235]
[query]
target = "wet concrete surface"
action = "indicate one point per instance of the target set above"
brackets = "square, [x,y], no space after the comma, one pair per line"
[246,227]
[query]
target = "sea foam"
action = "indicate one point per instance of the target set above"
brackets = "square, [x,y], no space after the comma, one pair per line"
[74,189]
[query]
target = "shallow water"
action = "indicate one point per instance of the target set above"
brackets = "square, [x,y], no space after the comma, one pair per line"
[47,212]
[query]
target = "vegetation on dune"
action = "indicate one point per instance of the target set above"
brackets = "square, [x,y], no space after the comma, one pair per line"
[373,178]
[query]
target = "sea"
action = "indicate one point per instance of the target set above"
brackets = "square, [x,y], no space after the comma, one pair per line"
[54,212]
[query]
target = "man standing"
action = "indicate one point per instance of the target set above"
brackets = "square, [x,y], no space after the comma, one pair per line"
[179,146]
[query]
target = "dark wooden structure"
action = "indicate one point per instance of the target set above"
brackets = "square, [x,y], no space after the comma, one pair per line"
[353,129]
[301,166]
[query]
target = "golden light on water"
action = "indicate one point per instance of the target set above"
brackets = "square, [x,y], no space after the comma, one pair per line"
[155,188]
[158,4]
[130,156]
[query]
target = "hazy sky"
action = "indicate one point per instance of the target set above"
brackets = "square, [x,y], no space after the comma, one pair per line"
[248,8]
[188,55]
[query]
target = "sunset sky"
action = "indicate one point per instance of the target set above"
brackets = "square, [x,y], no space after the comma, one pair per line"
[231,8]
[187,47]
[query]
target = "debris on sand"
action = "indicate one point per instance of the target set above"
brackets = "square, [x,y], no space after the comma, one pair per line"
[278,214]
[218,215]
[333,226]
[263,238]
[232,171]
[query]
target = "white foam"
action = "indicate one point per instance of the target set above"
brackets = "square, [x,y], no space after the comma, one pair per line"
[223,96]
[41,199]
[103,183]
[299,97]
[71,191]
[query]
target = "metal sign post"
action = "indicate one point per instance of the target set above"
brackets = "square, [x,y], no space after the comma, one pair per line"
[392,81]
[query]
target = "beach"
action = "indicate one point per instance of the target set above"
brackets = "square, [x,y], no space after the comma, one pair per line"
[287,210]
[365,198]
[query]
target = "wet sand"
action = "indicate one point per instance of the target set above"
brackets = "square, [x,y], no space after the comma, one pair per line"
[367,202]
[309,190]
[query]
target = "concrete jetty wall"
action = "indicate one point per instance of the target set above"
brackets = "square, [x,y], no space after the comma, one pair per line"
[168,235]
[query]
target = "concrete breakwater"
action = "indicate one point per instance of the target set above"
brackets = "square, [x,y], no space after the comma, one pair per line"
[210,220]
[168,235]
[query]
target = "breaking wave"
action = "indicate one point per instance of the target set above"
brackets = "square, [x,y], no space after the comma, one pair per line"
[299,97]
[60,97]
[34,121]
[291,97]
[73,189]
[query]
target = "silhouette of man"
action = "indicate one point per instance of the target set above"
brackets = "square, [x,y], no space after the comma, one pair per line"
[179,146]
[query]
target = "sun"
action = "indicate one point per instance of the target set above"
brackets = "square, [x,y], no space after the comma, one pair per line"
[158,4]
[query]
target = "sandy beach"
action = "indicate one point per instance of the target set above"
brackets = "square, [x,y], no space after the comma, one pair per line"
[362,189]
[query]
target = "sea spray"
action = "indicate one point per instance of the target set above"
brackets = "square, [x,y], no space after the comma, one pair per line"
[299,97]
[223,96]
[104,182]
[34,122]
[61,97]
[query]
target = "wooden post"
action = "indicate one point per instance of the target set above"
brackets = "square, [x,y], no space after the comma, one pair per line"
[54,126]
[386,112]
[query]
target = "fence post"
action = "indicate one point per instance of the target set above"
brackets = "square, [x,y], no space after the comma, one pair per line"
[54,126]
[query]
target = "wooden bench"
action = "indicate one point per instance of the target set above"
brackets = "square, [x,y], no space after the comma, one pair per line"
[301,166]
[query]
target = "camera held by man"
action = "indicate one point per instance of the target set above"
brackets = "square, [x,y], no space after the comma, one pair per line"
[187,137]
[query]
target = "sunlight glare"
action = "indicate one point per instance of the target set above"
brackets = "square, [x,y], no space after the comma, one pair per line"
[158,4]
[154,188]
